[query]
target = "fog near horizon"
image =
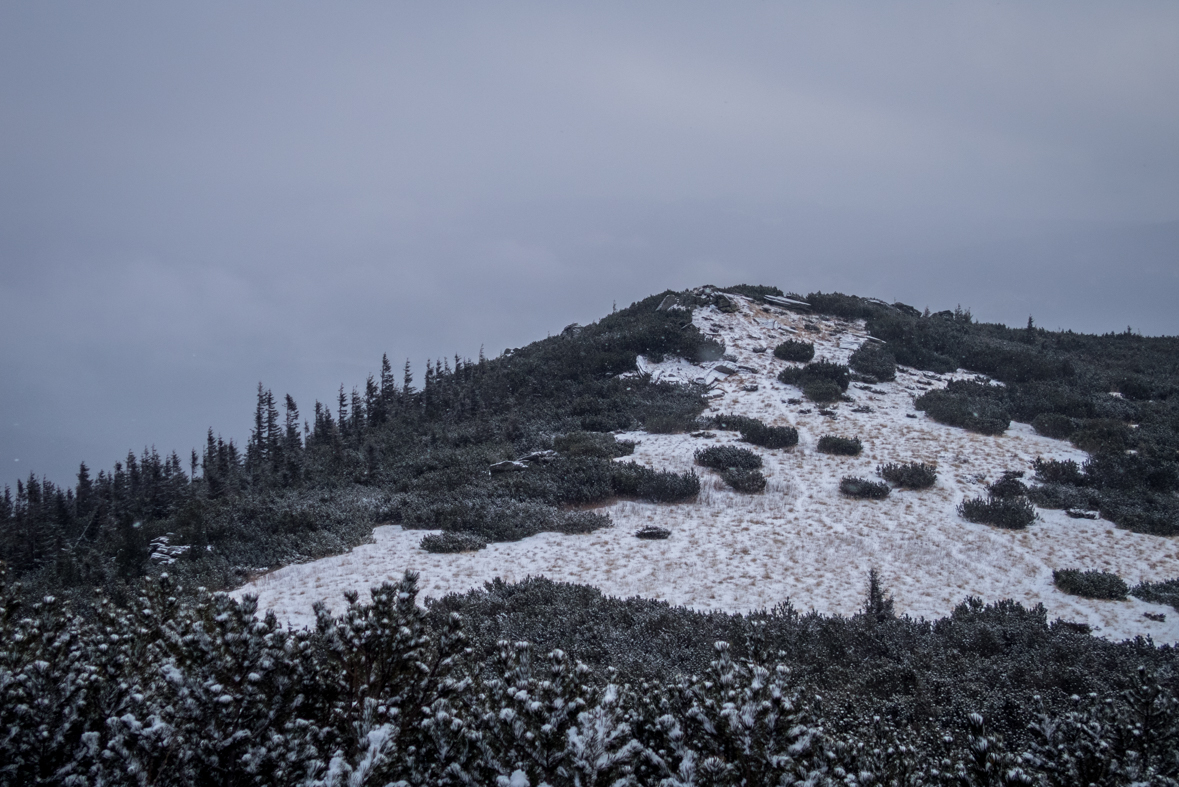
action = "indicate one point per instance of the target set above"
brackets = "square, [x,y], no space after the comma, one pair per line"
[193,200]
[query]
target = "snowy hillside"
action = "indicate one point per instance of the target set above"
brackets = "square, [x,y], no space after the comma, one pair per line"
[800,540]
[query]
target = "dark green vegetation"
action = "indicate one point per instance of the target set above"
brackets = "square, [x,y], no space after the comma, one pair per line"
[1010,513]
[177,689]
[756,432]
[874,360]
[113,674]
[852,486]
[910,475]
[388,453]
[794,350]
[743,480]
[443,543]
[839,446]
[820,381]
[720,457]
[1091,584]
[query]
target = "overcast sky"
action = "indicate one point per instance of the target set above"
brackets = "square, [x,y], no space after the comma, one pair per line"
[198,197]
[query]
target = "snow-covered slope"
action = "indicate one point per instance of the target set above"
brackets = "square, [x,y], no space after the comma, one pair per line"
[800,540]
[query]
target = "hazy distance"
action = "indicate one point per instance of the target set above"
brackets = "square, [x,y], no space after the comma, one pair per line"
[193,200]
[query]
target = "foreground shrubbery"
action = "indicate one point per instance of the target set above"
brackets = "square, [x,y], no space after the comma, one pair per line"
[720,457]
[1010,513]
[850,486]
[874,360]
[744,480]
[910,475]
[794,350]
[1091,584]
[758,433]
[202,692]
[840,446]
[970,405]
[820,381]
[446,543]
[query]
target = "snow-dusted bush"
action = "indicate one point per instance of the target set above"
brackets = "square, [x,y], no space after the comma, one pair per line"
[575,522]
[758,433]
[1166,592]
[1010,513]
[794,350]
[449,542]
[821,391]
[851,486]
[719,457]
[1008,485]
[652,533]
[840,446]
[744,480]
[875,360]
[1090,584]
[911,475]
[1054,425]
[1052,471]
[972,406]
[602,445]
[658,486]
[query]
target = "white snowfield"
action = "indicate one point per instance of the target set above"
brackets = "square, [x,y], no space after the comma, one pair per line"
[800,540]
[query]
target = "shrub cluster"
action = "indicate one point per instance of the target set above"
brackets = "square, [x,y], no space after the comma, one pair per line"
[758,433]
[1166,592]
[817,378]
[1053,471]
[658,486]
[1054,425]
[578,522]
[970,405]
[874,360]
[1091,584]
[794,350]
[720,457]
[1009,485]
[445,543]
[1010,513]
[841,446]
[744,480]
[911,475]
[652,533]
[852,486]
[602,445]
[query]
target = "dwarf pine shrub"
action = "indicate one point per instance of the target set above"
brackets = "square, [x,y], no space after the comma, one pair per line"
[821,391]
[744,480]
[720,457]
[758,433]
[1009,513]
[1054,425]
[1009,485]
[840,446]
[794,350]
[658,486]
[911,475]
[575,522]
[450,542]
[1091,584]
[1053,471]
[862,488]
[875,360]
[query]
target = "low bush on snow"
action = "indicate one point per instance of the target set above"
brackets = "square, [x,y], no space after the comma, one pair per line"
[794,350]
[852,486]
[744,480]
[841,446]
[1009,485]
[874,360]
[1091,584]
[1010,513]
[910,475]
[720,457]
[756,432]
[445,543]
